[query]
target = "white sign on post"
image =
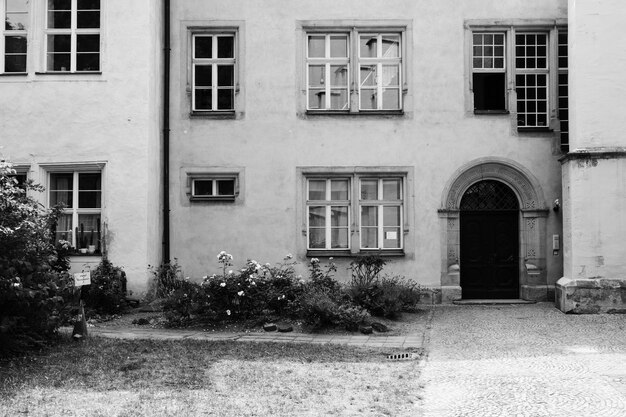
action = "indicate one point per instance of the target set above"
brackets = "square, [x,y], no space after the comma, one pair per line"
[82,278]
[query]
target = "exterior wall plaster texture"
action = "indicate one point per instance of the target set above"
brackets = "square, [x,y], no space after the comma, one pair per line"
[111,118]
[272,136]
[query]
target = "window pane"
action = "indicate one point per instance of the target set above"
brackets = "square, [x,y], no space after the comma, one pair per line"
[391,75]
[317,46]
[88,4]
[58,62]
[88,43]
[338,46]
[15,63]
[368,46]
[88,225]
[391,46]
[225,98]
[203,46]
[19,5]
[16,21]
[368,75]
[89,199]
[489,91]
[317,189]
[61,197]
[225,75]
[391,216]
[316,75]
[60,182]
[15,45]
[339,75]
[64,228]
[339,238]
[203,75]
[391,237]
[59,43]
[368,100]
[89,182]
[369,216]
[226,187]
[317,99]
[339,216]
[339,190]
[317,216]
[391,99]
[392,189]
[203,187]
[317,238]
[339,99]
[369,237]
[225,47]
[88,62]
[59,4]
[88,19]
[59,20]
[369,189]
[203,99]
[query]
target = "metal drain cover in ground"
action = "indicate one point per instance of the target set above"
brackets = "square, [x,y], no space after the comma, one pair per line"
[404,356]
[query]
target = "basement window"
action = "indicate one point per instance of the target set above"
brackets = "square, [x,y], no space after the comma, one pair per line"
[214,188]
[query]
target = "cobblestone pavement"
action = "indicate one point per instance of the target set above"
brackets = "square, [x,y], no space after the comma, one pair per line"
[405,342]
[524,360]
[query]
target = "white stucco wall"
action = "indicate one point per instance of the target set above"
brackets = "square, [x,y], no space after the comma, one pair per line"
[113,117]
[595,184]
[436,136]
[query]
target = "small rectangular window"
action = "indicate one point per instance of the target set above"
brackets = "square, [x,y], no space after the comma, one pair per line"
[213,188]
[213,72]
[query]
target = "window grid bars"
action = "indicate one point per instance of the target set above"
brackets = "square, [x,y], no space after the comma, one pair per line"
[380,205]
[327,61]
[328,205]
[12,33]
[482,37]
[214,62]
[380,61]
[531,80]
[563,96]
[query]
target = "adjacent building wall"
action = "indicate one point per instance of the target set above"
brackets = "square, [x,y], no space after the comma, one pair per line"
[271,136]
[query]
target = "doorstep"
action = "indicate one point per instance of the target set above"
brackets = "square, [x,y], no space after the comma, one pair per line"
[493,302]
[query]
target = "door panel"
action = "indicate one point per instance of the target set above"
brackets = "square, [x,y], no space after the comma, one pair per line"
[489,254]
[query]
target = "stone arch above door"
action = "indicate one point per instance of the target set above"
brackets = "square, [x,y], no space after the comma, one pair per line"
[532,223]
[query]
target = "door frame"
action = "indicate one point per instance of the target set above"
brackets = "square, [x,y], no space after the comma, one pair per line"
[532,225]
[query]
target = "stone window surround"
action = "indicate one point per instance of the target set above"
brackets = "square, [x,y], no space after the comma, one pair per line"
[532,224]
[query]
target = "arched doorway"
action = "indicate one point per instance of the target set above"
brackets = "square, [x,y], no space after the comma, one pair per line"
[489,237]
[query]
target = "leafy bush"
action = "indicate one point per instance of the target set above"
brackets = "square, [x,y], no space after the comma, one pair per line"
[107,292]
[34,284]
[166,279]
[186,304]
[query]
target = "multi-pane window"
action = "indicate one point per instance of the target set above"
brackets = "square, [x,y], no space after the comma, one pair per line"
[527,66]
[213,72]
[563,90]
[380,203]
[531,79]
[489,72]
[221,188]
[73,36]
[328,75]
[376,207]
[375,65]
[80,195]
[13,45]
[328,213]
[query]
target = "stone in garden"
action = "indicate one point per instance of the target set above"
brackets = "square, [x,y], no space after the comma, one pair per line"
[284,328]
[379,327]
[141,322]
[269,327]
[365,329]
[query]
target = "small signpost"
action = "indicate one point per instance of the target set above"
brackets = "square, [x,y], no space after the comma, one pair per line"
[80,328]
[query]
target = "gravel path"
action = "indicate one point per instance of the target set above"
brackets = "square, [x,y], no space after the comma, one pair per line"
[524,360]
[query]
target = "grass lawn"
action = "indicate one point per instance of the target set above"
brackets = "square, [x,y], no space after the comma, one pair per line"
[106,377]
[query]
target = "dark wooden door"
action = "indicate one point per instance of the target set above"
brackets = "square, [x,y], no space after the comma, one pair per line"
[489,254]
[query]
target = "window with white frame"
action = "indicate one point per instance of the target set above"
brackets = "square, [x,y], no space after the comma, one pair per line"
[215,187]
[521,58]
[79,193]
[375,64]
[73,36]
[213,72]
[14,44]
[375,207]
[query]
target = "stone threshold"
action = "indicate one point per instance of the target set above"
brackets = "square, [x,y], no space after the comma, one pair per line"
[493,302]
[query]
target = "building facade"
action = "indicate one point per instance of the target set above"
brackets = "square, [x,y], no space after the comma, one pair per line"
[434,133]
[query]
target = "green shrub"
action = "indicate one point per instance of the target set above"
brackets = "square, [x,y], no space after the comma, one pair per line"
[187,304]
[107,292]
[166,278]
[35,288]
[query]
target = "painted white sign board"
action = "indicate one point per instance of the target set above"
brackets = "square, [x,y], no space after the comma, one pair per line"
[82,278]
